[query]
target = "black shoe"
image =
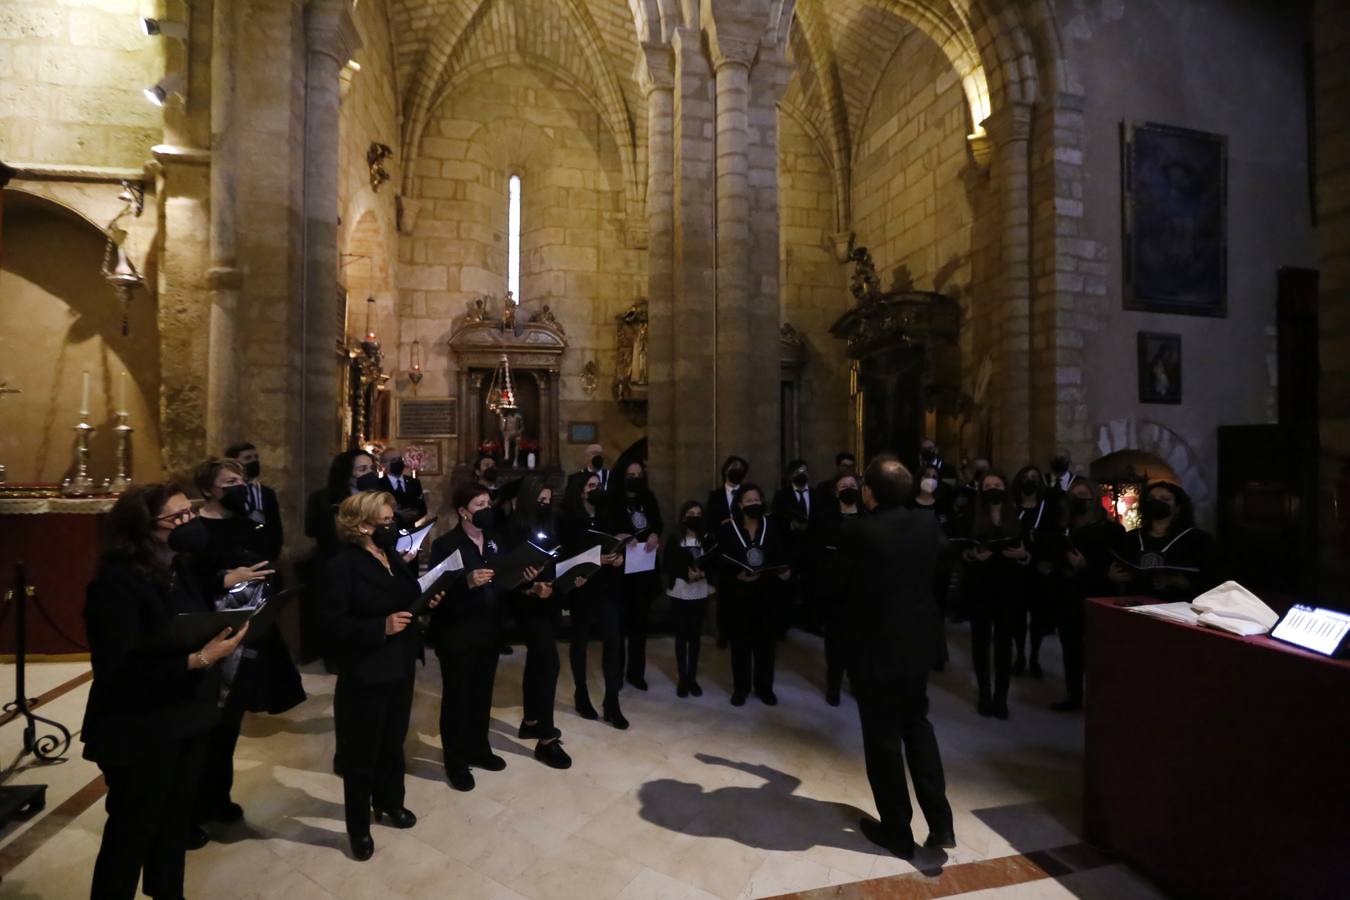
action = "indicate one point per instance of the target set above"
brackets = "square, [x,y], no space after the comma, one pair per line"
[1019,666]
[1001,710]
[363,846]
[985,707]
[552,755]
[537,732]
[1070,705]
[487,761]
[874,832]
[229,813]
[695,690]
[460,778]
[738,699]
[197,837]
[639,682]
[506,650]
[681,690]
[944,841]
[1034,670]
[768,698]
[398,818]
[832,696]
[584,707]
[614,715]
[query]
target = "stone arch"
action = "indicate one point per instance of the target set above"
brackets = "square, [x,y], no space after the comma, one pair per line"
[1127,433]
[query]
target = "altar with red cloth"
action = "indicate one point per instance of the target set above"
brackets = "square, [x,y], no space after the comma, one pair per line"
[1219,765]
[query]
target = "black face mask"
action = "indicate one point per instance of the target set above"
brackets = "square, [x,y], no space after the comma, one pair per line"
[753,511]
[484,519]
[995,496]
[589,496]
[395,466]
[544,507]
[735,475]
[1059,465]
[694,524]
[190,537]
[235,499]
[489,474]
[384,536]
[368,482]
[252,469]
[1079,506]
[928,454]
[635,483]
[1157,509]
[1029,488]
[849,496]
[597,462]
[800,479]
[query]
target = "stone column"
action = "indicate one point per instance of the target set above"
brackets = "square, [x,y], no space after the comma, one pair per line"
[734,419]
[656,74]
[224,276]
[330,40]
[1010,128]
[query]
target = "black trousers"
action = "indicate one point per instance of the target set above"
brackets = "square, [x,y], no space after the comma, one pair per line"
[991,628]
[753,620]
[896,732]
[636,593]
[1071,639]
[1035,615]
[217,778]
[150,804]
[832,622]
[371,723]
[540,680]
[467,676]
[688,636]
[599,611]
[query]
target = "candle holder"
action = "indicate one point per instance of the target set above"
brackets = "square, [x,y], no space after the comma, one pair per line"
[81,485]
[122,480]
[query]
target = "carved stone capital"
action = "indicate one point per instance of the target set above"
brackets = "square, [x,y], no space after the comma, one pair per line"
[728,51]
[655,69]
[1010,122]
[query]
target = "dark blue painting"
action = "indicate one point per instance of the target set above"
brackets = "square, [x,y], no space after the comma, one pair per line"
[1175,209]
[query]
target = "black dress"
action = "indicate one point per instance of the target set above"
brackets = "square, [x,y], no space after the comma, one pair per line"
[992,590]
[752,607]
[145,725]
[373,697]
[830,577]
[639,516]
[466,632]
[595,605]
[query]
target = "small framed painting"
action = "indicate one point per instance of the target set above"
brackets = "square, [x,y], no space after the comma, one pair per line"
[423,457]
[583,432]
[1159,367]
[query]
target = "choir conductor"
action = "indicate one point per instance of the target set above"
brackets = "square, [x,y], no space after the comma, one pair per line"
[890,621]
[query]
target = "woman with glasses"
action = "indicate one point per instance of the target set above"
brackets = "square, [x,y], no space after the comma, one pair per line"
[149,710]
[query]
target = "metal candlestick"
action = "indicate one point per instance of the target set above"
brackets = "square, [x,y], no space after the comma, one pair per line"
[81,485]
[122,480]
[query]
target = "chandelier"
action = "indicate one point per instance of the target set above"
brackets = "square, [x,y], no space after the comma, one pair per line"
[501,395]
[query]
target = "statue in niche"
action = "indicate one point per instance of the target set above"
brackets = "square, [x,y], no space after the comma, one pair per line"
[513,429]
[476,310]
[639,373]
[509,314]
[865,283]
[631,343]
[545,316]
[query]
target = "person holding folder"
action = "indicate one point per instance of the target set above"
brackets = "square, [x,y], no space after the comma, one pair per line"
[635,516]
[538,614]
[993,556]
[845,507]
[688,588]
[151,706]
[595,603]
[1166,556]
[1037,515]
[752,570]
[366,622]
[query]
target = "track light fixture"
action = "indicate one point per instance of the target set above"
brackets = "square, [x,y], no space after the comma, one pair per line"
[153,27]
[160,93]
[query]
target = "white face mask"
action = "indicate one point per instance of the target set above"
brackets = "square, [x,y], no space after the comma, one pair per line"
[928,485]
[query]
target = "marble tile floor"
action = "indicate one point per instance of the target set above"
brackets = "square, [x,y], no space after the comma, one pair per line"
[697,800]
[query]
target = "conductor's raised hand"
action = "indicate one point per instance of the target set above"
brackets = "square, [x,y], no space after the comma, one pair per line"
[255,572]
[479,577]
[396,622]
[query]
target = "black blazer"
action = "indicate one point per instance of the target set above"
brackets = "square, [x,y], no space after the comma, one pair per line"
[141,696]
[411,503]
[359,595]
[577,480]
[267,539]
[716,509]
[772,539]
[468,618]
[786,510]
[891,618]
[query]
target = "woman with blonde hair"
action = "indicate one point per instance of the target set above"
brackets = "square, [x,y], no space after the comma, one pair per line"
[366,621]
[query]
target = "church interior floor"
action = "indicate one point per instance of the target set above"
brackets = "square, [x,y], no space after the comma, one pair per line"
[697,800]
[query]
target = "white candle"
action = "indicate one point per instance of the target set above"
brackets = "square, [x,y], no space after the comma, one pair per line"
[84,396]
[122,394]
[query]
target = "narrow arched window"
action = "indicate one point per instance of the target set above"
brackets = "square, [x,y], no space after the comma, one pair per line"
[513,238]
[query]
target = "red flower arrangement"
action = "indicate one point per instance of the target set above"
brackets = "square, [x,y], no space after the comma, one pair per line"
[529,444]
[490,448]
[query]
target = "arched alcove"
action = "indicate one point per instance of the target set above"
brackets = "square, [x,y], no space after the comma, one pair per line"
[62,320]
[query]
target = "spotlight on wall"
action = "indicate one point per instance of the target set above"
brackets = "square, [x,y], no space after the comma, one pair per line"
[164,28]
[168,85]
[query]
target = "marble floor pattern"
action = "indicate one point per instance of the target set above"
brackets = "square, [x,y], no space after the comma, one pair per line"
[697,800]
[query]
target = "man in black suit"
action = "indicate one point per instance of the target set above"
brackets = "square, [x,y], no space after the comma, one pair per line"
[594,465]
[890,620]
[262,506]
[799,508]
[735,469]
[407,489]
[845,463]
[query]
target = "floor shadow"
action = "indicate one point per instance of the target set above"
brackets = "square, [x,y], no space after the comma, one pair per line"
[264,726]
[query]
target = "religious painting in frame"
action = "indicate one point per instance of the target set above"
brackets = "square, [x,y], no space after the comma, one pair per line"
[583,432]
[1175,219]
[1159,367]
[424,457]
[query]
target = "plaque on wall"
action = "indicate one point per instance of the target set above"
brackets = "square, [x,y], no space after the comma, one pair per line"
[427,418]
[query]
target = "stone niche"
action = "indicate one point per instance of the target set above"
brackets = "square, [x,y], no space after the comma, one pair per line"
[534,350]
